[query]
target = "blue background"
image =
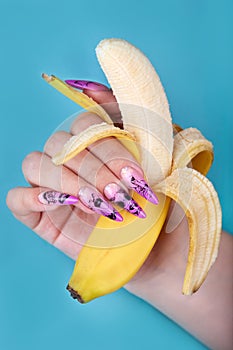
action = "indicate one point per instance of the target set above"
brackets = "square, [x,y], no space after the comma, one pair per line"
[190,44]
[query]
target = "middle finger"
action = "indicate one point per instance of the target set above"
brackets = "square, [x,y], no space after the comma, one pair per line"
[90,168]
[85,164]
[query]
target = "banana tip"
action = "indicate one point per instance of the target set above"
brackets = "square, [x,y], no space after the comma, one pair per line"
[75,294]
[46,77]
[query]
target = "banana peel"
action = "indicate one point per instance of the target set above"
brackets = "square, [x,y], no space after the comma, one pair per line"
[175,162]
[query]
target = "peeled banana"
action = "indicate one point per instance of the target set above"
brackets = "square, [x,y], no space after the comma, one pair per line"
[174,162]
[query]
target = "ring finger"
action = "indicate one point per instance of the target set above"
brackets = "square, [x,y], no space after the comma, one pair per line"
[39,170]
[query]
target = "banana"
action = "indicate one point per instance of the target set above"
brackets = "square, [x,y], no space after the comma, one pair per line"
[174,161]
[112,255]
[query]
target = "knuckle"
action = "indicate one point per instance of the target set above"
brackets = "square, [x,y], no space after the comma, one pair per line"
[30,163]
[56,141]
[83,121]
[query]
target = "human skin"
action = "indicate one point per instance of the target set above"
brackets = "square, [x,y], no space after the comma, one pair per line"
[207,314]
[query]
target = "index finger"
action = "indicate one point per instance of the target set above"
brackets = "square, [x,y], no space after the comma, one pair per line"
[108,101]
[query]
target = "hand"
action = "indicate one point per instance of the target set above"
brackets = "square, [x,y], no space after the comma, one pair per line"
[67,227]
[42,206]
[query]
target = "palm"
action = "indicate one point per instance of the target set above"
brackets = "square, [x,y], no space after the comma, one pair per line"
[67,228]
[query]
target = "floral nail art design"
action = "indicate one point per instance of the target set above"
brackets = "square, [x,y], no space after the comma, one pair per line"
[95,201]
[134,180]
[88,85]
[119,196]
[56,198]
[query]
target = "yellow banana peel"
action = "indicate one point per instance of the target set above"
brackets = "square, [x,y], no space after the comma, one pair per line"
[175,162]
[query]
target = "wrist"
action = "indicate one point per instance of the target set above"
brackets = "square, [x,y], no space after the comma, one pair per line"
[164,269]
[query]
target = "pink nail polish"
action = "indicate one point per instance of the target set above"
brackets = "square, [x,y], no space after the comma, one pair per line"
[119,196]
[95,201]
[134,181]
[88,85]
[56,198]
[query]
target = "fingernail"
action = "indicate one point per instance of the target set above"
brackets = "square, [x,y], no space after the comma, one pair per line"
[95,201]
[56,198]
[88,85]
[119,196]
[134,181]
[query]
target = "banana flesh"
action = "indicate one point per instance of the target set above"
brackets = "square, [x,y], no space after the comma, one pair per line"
[114,252]
[142,102]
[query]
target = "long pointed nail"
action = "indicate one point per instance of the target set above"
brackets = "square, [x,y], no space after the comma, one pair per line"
[56,198]
[95,201]
[134,180]
[87,85]
[119,196]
